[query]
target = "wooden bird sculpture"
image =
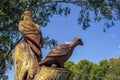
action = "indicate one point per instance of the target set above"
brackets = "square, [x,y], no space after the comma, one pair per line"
[28,53]
[60,54]
[32,33]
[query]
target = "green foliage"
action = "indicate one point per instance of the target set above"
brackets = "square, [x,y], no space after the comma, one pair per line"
[86,70]
[69,64]
[11,10]
[81,71]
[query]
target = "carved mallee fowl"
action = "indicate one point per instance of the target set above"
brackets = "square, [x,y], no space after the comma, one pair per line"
[61,53]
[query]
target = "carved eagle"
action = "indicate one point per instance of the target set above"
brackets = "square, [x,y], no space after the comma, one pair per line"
[31,32]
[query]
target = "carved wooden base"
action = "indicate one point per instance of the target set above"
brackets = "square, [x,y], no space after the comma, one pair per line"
[49,73]
[27,68]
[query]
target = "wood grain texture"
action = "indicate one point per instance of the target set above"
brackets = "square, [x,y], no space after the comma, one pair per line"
[48,73]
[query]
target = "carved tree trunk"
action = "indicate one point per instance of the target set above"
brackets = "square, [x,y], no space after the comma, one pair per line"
[27,68]
[48,73]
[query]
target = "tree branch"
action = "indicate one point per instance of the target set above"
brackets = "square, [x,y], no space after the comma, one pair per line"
[15,21]
[72,2]
[10,51]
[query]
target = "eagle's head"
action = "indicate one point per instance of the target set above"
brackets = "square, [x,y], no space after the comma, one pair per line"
[26,14]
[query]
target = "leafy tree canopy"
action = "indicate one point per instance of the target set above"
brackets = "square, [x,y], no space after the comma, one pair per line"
[104,70]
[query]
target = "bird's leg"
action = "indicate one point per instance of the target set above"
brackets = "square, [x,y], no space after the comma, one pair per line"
[54,65]
[62,66]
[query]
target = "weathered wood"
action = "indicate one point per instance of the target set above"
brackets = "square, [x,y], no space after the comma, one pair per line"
[25,63]
[27,54]
[49,73]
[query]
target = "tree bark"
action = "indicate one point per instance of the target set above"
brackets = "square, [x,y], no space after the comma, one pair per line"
[27,67]
[49,73]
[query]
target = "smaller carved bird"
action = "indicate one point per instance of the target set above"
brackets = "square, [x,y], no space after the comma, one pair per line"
[61,53]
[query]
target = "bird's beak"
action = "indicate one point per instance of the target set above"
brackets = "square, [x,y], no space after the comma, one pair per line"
[81,43]
[22,16]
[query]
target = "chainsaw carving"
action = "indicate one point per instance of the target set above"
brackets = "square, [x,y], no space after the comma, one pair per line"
[27,54]
[61,53]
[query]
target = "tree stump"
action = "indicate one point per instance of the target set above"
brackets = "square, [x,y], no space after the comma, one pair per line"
[27,68]
[49,73]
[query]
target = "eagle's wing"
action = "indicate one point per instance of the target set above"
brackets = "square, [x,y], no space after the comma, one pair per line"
[26,29]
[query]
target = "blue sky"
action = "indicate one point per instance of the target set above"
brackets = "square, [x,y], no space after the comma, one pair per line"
[98,45]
